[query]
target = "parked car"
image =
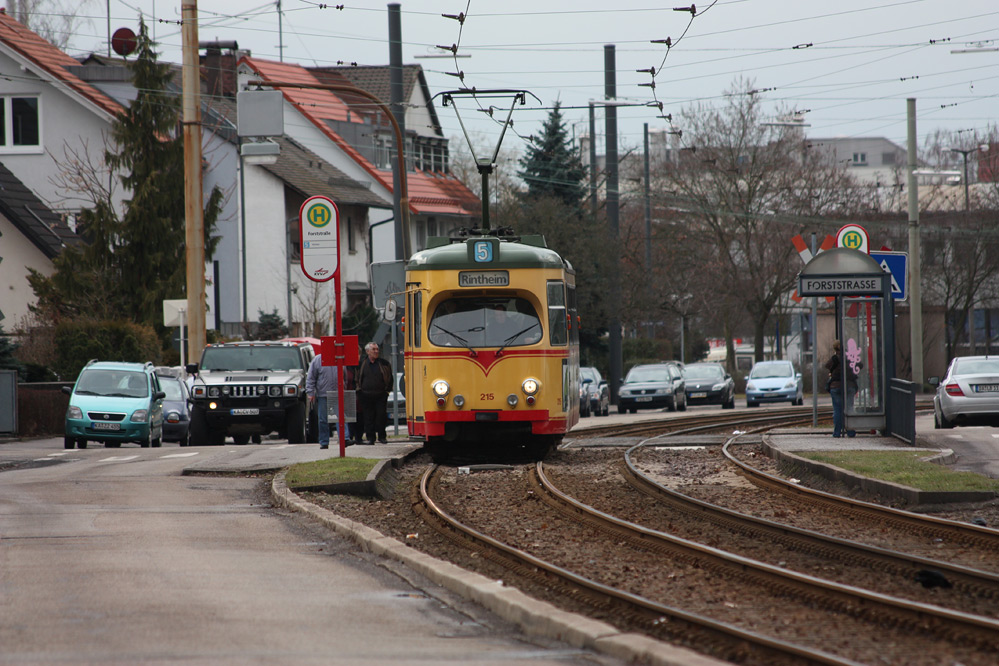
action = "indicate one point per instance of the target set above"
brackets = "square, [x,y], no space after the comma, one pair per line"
[968,394]
[709,384]
[584,398]
[400,394]
[176,408]
[597,390]
[114,402]
[774,381]
[653,386]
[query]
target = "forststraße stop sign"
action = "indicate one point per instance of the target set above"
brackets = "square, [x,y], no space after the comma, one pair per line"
[319,233]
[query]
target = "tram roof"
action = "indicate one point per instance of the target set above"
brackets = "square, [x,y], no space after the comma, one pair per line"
[529,253]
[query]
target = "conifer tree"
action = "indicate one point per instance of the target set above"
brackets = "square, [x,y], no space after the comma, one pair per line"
[133,261]
[551,167]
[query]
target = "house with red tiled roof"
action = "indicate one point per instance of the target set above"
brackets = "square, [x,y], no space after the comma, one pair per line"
[352,134]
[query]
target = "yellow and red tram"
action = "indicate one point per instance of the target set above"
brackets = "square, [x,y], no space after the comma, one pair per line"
[491,343]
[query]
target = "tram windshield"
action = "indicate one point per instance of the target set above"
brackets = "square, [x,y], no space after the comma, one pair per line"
[484,322]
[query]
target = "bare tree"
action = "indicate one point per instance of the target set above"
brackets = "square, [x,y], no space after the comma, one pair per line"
[55,20]
[749,186]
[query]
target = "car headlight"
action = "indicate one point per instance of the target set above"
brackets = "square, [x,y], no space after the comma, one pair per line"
[173,417]
[791,384]
[625,392]
[530,386]
[140,415]
[74,412]
[290,390]
[441,388]
[718,387]
[667,391]
[750,386]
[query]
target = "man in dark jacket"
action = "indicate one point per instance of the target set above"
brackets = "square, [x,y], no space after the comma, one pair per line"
[374,381]
[836,374]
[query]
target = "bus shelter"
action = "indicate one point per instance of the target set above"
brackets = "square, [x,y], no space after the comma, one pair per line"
[865,326]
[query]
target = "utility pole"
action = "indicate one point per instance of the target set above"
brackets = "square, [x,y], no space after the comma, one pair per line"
[193,198]
[610,120]
[648,232]
[915,271]
[396,101]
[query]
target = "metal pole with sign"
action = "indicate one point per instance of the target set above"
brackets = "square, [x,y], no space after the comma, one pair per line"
[319,236]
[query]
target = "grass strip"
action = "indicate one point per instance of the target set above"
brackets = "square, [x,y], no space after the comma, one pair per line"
[905,468]
[329,470]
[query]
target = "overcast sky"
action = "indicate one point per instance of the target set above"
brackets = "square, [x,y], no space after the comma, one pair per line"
[850,64]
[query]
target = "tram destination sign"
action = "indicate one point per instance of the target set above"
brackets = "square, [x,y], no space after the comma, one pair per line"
[483,279]
[834,285]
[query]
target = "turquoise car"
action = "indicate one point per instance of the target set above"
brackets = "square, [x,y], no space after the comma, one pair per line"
[115,402]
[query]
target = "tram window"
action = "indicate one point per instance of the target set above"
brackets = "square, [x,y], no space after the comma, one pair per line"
[557,313]
[484,322]
[417,324]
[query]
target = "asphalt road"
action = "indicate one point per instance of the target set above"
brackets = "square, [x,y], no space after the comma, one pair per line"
[111,556]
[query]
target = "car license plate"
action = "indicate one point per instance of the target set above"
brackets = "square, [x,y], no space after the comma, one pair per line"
[97,425]
[986,388]
[245,411]
[699,395]
[644,398]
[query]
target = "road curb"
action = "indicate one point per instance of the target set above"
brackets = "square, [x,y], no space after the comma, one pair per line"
[534,617]
[886,489]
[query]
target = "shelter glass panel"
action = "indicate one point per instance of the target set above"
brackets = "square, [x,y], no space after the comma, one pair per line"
[863,352]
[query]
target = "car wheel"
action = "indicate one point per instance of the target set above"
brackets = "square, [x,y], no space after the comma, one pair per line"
[185,439]
[241,440]
[683,405]
[81,443]
[197,431]
[147,442]
[945,422]
[68,443]
[157,442]
[256,439]
[296,424]
[672,406]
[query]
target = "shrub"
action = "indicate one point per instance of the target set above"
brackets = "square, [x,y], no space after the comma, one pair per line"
[78,341]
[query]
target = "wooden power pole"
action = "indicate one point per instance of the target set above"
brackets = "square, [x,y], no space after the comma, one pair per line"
[193,197]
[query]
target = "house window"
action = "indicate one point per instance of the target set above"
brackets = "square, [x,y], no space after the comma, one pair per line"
[351,243]
[860,158]
[19,122]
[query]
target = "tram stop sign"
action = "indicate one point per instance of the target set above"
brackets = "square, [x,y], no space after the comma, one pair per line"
[319,233]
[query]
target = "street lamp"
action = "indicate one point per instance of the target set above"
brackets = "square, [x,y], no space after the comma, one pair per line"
[965,153]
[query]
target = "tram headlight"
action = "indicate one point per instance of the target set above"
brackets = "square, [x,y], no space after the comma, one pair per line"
[441,388]
[459,401]
[530,386]
[512,400]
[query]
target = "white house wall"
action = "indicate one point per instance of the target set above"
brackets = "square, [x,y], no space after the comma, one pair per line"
[65,122]
[223,171]
[418,118]
[19,254]
[266,245]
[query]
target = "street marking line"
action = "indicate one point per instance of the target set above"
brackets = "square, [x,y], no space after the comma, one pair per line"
[179,455]
[118,459]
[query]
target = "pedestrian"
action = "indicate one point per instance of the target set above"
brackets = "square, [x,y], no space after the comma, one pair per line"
[374,381]
[320,380]
[835,387]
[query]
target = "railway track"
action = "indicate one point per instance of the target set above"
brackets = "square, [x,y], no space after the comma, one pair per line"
[870,626]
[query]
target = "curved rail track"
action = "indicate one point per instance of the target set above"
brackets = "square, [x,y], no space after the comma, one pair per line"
[976,635]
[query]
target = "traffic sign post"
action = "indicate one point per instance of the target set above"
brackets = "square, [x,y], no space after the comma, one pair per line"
[319,238]
[897,264]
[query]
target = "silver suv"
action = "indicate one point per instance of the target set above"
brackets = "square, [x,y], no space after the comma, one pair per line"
[250,389]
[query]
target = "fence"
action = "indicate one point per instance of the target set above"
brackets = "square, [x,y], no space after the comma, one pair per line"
[902,410]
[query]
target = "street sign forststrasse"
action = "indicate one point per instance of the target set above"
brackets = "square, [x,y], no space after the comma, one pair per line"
[896,263]
[319,235]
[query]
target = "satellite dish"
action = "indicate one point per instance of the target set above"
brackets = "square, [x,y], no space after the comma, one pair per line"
[123,41]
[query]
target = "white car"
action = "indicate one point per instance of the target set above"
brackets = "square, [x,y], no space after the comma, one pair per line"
[968,394]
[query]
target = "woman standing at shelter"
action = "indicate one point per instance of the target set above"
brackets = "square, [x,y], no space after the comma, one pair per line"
[836,390]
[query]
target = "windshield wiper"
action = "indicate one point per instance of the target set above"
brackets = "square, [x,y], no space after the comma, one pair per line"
[457,337]
[515,336]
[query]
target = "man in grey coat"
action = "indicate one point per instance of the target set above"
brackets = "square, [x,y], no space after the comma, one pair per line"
[320,380]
